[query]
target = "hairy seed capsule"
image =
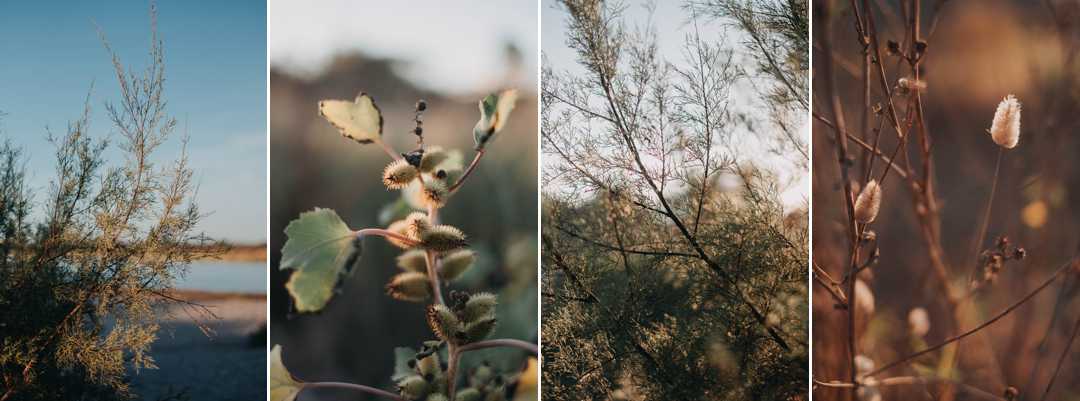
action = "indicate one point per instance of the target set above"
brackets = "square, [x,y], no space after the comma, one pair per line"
[479,307]
[443,238]
[433,156]
[429,365]
[409,286]
[444,322]
[1005,129]
[413,260]
[479,329]
[868,203]
[398,174]
[456,263]
[413,387]
[402,228]
[482,375]
[434,193]
[418,224]
[468,394]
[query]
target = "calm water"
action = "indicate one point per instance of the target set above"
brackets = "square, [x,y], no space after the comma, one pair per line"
[246,277]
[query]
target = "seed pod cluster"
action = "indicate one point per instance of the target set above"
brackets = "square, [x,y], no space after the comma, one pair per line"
[484,385]
[472,318]
[427,379]
[421,237]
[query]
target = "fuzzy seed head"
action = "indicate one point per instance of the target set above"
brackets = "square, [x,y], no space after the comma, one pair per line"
[429,365]
[409,286]
[868,203]
[418,223]
[398,174]
[444,323]
[400,227]
[443,238]
[413,387]
[434,193]
[454,264]
[413,260]
[479,307]
[433,156]
[918,322]
[1005,130]
[479,329]
[468,394]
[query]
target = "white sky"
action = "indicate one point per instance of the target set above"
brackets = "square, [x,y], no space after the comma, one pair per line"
[672,25]
[446,44]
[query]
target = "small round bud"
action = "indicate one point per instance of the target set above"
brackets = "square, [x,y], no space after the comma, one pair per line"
[421,105]
[918,322]
[444,323]
[443,238]
[417,224]
[413,260]
[479,307]
[468,394]
[413,387]
[433,156]
[429,365]
[409,286]
[480,329]
[434,193]
[419,131]
[398,174]
[456,263]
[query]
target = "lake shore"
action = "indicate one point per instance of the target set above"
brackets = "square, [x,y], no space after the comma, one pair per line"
[208,357]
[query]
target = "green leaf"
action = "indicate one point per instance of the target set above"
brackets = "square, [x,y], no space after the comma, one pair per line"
[494,111]
[321,250]
[359,120]
[283,386]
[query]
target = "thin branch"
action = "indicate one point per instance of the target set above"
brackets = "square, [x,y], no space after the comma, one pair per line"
[502,342]
[1063,269]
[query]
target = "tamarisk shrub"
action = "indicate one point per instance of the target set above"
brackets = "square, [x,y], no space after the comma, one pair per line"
[322,250]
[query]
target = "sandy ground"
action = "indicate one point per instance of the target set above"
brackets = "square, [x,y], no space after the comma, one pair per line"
[227,366]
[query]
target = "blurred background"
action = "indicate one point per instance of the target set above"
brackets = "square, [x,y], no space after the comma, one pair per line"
[977,53]
[400,53]
[54,63]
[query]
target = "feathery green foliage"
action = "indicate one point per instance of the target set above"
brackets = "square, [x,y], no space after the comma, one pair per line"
[83,265]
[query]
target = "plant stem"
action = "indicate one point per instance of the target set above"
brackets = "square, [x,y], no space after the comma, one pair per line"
[468,171]
[502,342]
[353,387]
[1064,268]
[1061,359]
[389,151]
[433,277]
[986,216]
[456,351]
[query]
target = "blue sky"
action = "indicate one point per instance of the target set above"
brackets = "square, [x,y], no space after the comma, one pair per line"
[215,56]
